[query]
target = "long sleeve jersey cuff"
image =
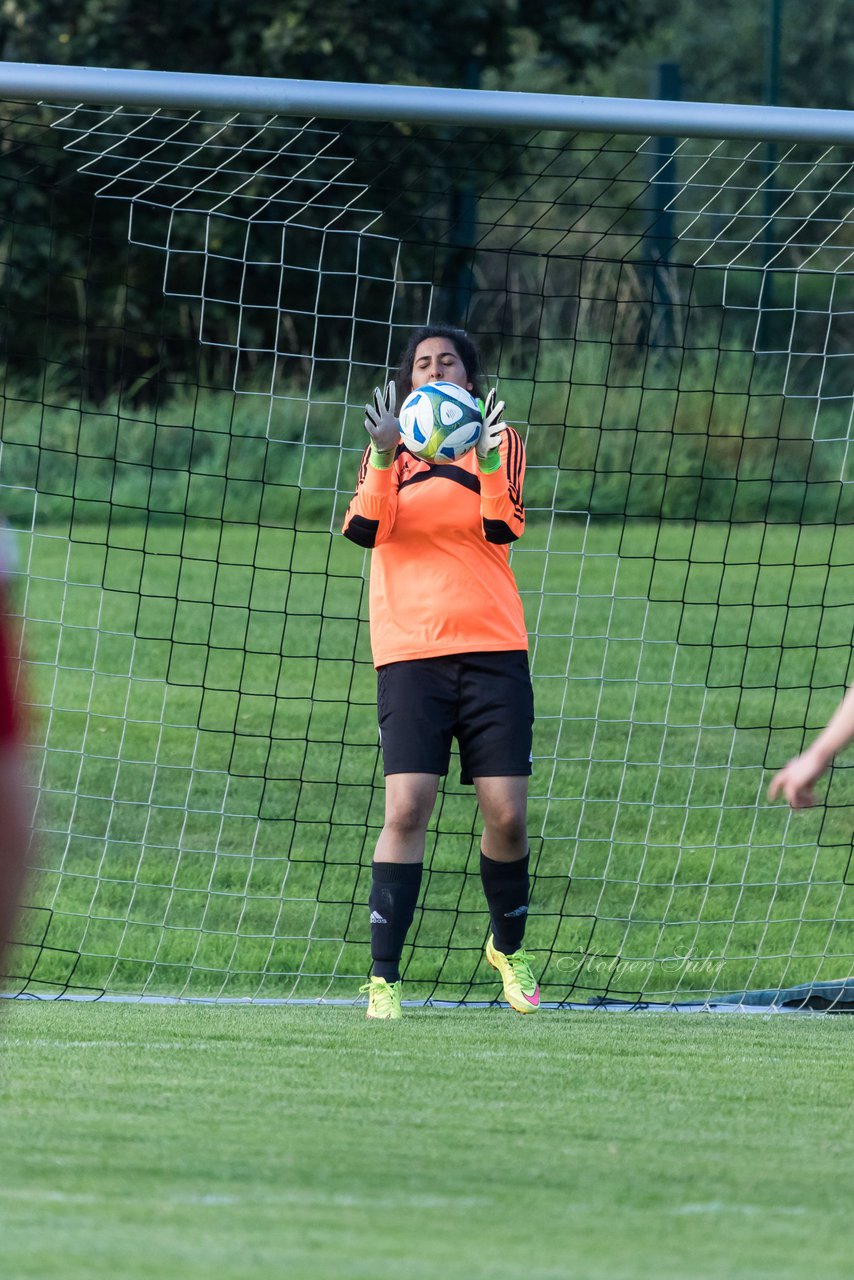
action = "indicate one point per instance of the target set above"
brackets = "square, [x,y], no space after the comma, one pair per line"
[381,459]
[501,507]
[377,482]
[374,492]
[493,484]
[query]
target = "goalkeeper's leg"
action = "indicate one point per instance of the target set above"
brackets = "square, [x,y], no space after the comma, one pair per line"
[504,874]
[396,882]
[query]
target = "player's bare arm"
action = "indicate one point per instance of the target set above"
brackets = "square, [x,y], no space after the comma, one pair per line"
[797,779]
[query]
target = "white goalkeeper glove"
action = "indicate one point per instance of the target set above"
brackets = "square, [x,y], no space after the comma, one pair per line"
[383,426]
[491,434]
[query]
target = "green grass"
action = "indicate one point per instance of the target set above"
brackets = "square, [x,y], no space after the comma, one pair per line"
[242,1143]
[708,429]
[211,790]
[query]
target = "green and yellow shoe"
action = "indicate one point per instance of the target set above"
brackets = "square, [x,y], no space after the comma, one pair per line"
[521,990]
[383,998]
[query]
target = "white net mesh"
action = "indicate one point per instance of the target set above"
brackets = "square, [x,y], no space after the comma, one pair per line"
[670,326]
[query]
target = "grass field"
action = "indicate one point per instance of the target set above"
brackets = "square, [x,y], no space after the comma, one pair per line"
[211,788]
[197,1142]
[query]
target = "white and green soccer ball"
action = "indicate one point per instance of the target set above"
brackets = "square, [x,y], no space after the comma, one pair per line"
[440,422]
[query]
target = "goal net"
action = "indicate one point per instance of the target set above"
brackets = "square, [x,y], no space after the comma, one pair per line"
[196,306]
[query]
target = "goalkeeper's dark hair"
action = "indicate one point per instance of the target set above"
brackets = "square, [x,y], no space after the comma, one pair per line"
[466,349]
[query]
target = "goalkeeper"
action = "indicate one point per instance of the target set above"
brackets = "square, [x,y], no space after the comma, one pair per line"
[451,651]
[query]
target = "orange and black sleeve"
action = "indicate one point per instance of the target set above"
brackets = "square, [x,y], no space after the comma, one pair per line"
[372,510]
[501,508]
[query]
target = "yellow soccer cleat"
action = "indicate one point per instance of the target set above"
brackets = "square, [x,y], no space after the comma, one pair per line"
[383,998]
[521,990]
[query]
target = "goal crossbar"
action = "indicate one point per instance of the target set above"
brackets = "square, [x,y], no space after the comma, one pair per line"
[420,104]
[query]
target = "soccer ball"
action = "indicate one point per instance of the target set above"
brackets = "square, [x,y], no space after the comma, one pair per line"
[440,422]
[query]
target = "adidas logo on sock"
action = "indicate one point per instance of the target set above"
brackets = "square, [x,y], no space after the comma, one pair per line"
[508,915]
[376,918]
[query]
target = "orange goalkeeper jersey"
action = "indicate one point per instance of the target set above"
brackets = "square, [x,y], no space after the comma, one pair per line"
[441,581]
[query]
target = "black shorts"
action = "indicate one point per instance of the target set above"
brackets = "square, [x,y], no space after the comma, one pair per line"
[484,700]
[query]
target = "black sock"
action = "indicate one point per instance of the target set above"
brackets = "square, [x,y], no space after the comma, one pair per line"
[394,894]
[506,887]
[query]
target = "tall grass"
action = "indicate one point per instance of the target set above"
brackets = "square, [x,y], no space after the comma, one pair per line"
[614,427]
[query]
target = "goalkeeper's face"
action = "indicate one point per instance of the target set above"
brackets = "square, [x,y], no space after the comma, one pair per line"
[437,360]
